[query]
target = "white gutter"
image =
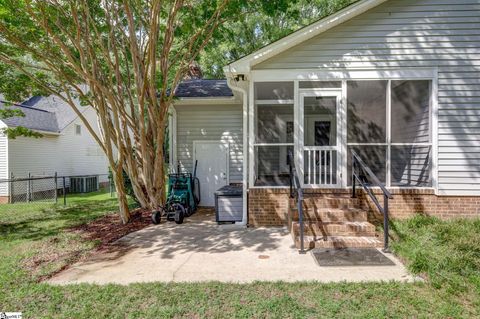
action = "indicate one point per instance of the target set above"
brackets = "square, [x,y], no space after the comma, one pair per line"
[233,85]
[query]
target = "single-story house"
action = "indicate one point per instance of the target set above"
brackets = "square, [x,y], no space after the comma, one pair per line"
[397,81]
[65,148]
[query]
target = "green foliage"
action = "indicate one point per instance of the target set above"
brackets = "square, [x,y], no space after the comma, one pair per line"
[447,253]
[258,24]
[14,132]
[127,184]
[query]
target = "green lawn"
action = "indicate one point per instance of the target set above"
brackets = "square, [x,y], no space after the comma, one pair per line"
[34,243]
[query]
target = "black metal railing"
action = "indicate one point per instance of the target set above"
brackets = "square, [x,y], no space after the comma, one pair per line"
[359,166]
[296,192]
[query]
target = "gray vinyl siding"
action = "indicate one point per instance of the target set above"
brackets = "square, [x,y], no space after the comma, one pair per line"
[210,123]
[415,34]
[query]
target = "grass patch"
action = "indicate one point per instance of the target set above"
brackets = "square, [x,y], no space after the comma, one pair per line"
[446,253]
[42,237]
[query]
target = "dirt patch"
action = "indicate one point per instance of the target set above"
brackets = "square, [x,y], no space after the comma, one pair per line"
[108,229]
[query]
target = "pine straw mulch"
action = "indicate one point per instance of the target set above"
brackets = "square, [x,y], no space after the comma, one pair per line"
[109,228]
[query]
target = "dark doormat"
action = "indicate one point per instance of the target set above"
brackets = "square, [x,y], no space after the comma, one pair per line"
[350,257]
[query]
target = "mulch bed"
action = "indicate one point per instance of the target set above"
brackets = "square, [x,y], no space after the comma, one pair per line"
[109,228]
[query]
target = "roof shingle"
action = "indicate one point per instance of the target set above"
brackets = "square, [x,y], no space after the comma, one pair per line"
[203,88]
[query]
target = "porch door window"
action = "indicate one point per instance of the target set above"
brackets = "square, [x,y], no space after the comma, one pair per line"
[388,125]
[273,132]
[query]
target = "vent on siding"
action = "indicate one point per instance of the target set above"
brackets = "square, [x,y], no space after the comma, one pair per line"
[84,184]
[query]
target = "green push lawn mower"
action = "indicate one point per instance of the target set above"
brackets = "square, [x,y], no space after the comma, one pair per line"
[182,199]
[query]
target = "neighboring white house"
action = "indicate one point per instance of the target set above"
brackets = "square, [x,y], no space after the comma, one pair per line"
[396,80]
[66,147]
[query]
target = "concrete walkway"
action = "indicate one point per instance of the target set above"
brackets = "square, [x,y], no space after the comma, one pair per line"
[200,250]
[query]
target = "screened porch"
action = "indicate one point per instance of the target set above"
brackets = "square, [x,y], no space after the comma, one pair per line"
[388,122]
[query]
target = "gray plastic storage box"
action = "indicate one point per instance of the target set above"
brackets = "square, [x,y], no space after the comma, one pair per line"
[229,204]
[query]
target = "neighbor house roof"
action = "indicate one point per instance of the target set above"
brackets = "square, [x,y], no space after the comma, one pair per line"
[199,88]
[49,114]
[244,64]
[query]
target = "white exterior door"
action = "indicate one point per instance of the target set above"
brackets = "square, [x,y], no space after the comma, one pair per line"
[212,168]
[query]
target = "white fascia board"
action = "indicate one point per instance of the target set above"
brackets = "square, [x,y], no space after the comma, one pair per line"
[47,132]
[244,64]
[206,101]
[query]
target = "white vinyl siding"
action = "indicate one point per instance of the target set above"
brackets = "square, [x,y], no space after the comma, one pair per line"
[67,153]
[415,34]
[3,161]
[210,123]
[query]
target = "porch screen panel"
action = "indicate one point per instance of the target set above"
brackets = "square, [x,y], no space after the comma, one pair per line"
[410,112]
[273,132]
[274,123]
[374,156]
[410,133]
[411,166]
[271,165]
[366,113]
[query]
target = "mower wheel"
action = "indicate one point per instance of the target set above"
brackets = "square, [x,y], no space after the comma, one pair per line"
[156,217]
[179,214]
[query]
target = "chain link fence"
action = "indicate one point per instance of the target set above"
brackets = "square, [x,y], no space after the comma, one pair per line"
[39,190]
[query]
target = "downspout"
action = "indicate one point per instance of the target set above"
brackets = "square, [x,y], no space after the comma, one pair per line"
[233,85]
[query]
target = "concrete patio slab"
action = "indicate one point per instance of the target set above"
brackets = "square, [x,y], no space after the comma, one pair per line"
[201,250]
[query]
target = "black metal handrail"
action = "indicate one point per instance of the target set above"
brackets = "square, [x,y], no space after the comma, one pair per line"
[357,162]
[296,192]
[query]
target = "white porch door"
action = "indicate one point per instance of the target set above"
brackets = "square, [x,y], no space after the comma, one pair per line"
[212,168]
[320,142]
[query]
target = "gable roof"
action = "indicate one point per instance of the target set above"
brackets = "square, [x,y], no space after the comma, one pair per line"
[199,88]
[48,114]
[244,64]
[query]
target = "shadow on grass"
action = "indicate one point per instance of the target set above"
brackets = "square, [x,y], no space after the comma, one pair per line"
[24,222]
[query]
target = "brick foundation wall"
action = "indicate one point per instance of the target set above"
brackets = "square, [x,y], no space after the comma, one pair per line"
[408,202]
[268,207]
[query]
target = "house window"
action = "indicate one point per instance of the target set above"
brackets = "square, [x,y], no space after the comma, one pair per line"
[78,129]
[273,131]
[389,126]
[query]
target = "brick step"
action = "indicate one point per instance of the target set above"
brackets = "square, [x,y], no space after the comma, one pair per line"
[331,215]
[331,202]
[353,229]
[339,242]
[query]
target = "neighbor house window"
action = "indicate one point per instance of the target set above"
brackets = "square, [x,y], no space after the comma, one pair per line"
[388,125]
[78,129]
[273,131]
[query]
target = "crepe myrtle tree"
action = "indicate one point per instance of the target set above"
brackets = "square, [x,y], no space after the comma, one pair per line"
[121,57]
